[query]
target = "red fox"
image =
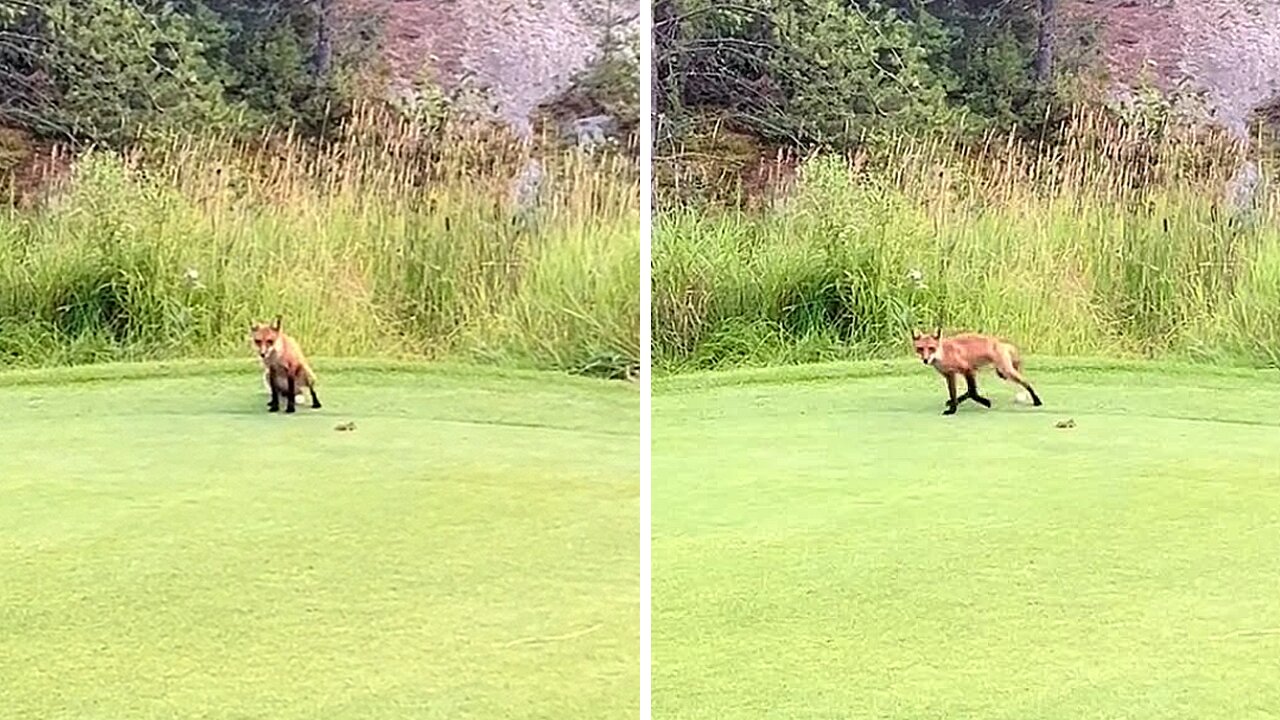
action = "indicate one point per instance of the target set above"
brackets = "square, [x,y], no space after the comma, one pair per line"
[966,354]
[285,368]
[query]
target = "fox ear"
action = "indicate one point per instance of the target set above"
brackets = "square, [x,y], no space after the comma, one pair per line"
[279,320]
[938,334]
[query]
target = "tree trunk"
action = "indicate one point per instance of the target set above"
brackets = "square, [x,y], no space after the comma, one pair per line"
[322,58]
[1044,45]
[666,30]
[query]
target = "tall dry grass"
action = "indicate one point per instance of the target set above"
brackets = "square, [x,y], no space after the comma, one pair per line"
[1112,240]
[388,241]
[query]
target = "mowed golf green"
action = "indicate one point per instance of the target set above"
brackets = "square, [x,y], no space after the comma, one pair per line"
[828,545]
[168,549]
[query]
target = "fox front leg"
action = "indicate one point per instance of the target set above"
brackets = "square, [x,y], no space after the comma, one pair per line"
[292,390]
[274,405]
[971,391]
[951,392]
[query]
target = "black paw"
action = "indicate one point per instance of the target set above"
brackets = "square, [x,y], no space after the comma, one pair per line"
[316,406]
[1036,403]
[951,410]
[290,409]
[273,408]
[982,401]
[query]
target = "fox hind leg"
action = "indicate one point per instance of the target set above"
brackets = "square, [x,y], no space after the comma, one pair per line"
[308,380]
[1035,399]
[1009,369]
[971,391]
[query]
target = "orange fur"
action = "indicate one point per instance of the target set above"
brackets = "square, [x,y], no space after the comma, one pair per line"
[284,365]
[966,354]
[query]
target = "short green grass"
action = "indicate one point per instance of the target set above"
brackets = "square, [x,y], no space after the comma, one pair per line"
[828,545]
[169,549]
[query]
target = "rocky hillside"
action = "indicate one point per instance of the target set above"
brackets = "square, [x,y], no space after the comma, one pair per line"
[522,52]
[519,53]
[1226,50]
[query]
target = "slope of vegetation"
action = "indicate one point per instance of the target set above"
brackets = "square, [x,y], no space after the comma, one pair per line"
[117,72]
[832,174]
[180,169]
[382,244]
[1112,244]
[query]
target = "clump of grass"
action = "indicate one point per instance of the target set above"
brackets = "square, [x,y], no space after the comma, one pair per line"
[386,242]
[1112,241]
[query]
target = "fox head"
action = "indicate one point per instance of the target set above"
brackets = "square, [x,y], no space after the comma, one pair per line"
[265,337]
[927,346]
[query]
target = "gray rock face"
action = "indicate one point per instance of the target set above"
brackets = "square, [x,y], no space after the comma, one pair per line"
[1227,52]
[516,53]
[526,188]
[592,132]
[1245,188]
[1233,53]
